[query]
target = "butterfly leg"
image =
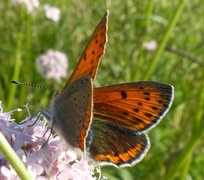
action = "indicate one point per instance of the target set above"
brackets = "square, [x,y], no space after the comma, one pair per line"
[51,130]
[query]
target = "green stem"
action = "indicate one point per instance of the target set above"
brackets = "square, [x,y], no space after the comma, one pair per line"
[27,62]
[149,13]
[137,75]
[13,158]
[186,167]
[165,39]
[194,140]
[17,61]
[185,153]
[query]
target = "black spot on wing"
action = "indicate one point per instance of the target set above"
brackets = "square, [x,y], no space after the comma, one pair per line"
[85,57]
[148,115]
[147,98]
[123,94]
[139,103]
[136,110]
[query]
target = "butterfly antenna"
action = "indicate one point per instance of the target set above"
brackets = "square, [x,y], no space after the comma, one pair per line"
[33,85]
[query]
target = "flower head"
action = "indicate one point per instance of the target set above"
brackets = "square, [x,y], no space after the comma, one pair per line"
[53,65]
[150,45]
[55,160]
[30,4]
[52,13]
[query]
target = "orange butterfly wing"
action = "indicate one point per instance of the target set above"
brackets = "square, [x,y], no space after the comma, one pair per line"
[88,65]
[121,115]
[90,58]
[109,145]
[134,106]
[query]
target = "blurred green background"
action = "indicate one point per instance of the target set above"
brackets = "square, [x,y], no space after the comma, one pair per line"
[177,145]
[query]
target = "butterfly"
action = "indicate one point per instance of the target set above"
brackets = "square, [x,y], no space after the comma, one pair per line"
[109,123]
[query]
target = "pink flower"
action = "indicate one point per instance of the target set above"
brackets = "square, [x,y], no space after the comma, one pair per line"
[55,160]
[53,64]
[150,45]
[52,13]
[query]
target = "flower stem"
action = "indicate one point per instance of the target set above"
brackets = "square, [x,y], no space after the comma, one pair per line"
[165,39]
[194,140]
[13,159]
[17,59]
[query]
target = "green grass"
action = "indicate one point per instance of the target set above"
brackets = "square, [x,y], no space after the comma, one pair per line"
[177,150]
